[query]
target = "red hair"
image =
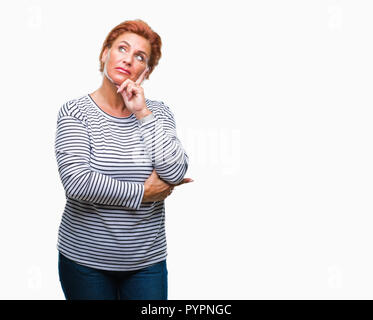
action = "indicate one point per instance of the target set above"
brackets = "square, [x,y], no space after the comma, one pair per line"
[142,29]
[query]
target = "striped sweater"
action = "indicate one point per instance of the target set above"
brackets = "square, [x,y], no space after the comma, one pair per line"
[103,162]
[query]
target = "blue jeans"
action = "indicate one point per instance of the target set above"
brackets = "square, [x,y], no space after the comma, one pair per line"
[84,283]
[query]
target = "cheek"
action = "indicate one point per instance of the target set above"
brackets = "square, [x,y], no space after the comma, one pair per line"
[112,58]
[136,73]
[141,71]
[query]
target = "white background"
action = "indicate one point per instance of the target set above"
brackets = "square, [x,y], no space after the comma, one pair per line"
[273,104]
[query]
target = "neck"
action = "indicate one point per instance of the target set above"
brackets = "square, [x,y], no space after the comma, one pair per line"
[107,94]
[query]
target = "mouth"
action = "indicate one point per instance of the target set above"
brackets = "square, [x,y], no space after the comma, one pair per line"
[123,71]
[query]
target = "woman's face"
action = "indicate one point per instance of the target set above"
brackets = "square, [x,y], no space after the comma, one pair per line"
[130,52]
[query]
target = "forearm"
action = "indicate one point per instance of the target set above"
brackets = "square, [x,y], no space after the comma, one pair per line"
[72,149]
[166,152]
[91,186]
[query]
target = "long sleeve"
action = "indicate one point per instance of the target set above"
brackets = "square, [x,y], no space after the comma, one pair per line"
[168,156]
[72,149]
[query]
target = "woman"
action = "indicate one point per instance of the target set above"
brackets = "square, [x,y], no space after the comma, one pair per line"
[118,158]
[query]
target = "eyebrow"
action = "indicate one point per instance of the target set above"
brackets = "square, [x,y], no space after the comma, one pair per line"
[130,46]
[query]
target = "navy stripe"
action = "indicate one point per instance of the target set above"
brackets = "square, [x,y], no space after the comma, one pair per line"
[103,162]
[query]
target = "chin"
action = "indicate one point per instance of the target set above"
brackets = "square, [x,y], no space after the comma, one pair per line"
[123,77]
[118,79]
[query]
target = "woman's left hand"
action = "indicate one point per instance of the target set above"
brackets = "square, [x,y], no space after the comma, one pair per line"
[133,94]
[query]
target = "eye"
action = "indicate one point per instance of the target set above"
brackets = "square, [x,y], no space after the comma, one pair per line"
[142,58]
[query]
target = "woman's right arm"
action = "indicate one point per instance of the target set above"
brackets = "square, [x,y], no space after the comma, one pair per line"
[72,149]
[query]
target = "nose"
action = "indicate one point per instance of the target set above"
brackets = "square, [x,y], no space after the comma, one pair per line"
[127,59]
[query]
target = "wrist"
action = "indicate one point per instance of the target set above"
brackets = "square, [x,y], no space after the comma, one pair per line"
[142,114]
[145,195]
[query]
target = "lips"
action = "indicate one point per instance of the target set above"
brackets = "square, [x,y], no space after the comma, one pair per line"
[123,71]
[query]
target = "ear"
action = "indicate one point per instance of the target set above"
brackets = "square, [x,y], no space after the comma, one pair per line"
[104,55]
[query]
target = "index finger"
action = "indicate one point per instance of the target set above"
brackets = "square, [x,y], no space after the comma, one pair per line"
[142,76]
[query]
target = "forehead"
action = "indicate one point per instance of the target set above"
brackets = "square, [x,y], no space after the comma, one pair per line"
[136,42]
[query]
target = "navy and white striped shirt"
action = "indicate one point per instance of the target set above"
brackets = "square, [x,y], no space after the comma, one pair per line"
[103,162]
